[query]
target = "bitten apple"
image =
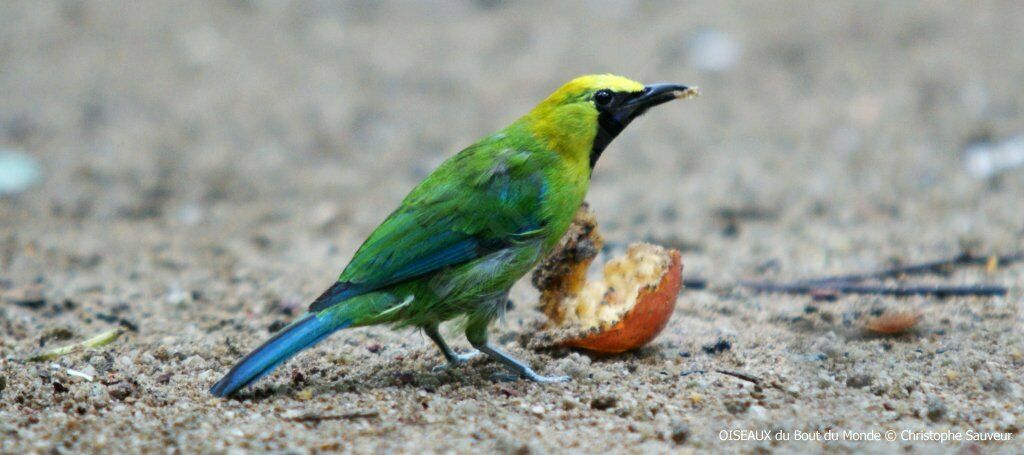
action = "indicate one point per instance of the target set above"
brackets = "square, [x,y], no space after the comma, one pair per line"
[625,310]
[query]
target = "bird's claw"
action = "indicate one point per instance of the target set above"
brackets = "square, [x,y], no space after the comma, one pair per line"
[532,376]
[455,361]
[547,379]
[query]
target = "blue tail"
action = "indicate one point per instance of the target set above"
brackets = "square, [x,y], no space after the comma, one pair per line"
[299,335]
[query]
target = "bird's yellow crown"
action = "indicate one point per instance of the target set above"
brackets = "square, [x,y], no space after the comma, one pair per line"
[584,85]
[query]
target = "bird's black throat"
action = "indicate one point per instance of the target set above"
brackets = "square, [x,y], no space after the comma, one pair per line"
[617,110]
[608,127]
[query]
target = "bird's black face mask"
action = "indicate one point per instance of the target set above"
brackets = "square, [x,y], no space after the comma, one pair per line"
[617,109]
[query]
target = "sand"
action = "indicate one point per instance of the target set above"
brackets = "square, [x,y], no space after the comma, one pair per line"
[209,167]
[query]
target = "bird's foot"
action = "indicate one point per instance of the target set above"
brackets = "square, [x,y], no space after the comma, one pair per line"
[529,375]
[546,379]
[455,361]
[518,368]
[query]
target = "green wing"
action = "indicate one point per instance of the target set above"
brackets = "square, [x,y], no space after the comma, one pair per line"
[475,204]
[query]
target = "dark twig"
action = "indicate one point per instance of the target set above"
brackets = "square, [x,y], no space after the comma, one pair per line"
[939,266]
[803,287]
[695,283]
[317,418]
[746,377]
[852,283]
[736,374]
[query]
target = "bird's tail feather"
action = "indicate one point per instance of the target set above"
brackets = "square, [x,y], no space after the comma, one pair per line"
[299,335]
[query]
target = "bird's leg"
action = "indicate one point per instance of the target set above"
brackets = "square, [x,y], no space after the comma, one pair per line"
[476,333]
[453,358]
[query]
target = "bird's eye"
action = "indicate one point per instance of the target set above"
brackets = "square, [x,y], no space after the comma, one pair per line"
[603,97]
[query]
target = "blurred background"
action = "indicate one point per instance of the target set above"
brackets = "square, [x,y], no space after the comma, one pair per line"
[193,162]
[189,112]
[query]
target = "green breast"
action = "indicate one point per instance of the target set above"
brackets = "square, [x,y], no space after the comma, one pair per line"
[566,189]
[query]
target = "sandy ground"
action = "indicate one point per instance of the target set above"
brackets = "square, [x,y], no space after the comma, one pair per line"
[209,167]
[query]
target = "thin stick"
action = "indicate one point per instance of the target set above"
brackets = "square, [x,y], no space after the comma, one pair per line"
[316,418]
[851,283]
[804,287]
[743,376]
[97,341]
[939,266]
[736,374]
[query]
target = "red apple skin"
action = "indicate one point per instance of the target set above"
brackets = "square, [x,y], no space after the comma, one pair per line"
[644,321]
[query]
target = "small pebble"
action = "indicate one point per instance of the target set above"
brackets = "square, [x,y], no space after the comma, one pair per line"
[405,377]
[59,388]
[162,353]
[467,407]
[99,394]
[696,398]
[147,358]
[824,381]
[18,171]
[831,351]
[194,362]
[986,159]
[569,403]
[574,365]
[207,376]
[859,381]
[603,403]
[120,390]
[758,413]
[936,409]
[680,432]
[736,406]
[190,215]
[101,362]
[717,347]
[276,326]
[999,383]
[177,296]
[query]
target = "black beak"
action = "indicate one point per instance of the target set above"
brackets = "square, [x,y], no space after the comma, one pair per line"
[614,119]
[652,95]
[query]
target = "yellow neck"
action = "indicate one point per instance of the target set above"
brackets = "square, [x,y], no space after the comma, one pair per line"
[568,130]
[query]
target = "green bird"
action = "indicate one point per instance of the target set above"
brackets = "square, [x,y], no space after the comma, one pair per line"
[470,230]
